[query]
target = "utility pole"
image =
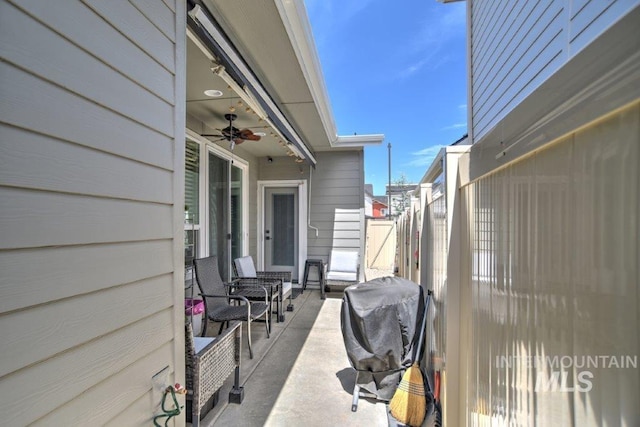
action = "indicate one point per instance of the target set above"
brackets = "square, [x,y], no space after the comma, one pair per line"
[389,186]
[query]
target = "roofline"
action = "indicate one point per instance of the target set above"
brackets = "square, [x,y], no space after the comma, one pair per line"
[436,167]
[296,23]
[233,60]
[359,140]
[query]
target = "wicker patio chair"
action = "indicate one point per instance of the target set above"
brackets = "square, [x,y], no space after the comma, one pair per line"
[245,270]
[216,296]
[209,362]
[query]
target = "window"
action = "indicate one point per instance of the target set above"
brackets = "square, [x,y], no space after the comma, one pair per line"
[191,205]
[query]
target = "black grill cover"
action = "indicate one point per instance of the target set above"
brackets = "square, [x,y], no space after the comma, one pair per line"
[380,322]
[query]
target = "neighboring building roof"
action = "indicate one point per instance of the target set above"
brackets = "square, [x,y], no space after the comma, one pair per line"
[381,199]
[380,203]
[368,189]
[397,189]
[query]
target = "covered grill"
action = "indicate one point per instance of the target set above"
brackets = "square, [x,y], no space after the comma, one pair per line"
[380,322]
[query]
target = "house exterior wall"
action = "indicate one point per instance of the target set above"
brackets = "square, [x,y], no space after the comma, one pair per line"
[379,209]
[337,182]
[515,47]
[368,205]
[91,183]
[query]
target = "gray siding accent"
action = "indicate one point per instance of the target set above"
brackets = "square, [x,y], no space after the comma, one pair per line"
[337,184]
[91,183]
[515,47]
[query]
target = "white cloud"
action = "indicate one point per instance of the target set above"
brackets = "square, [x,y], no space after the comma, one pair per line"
[413,68]
[430,39]
[456,17]
[425,156]
[433,33]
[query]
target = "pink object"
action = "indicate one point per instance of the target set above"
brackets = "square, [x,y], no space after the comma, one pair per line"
[193,306]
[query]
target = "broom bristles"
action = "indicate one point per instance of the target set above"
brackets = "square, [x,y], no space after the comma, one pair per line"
[408,405]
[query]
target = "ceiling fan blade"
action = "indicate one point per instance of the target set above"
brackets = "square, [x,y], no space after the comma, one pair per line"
[248,134]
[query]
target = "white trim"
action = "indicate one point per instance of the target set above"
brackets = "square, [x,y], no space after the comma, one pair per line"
[358,140]
[301,184]
[296,23]
[206,147]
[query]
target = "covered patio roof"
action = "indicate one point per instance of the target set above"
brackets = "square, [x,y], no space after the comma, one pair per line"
[262,57]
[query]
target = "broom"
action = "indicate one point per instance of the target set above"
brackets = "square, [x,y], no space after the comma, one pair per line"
[408,404]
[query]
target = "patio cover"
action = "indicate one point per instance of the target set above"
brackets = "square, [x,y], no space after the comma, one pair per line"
[380,326]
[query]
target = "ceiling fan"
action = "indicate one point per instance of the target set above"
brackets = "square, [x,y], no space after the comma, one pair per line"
[233,134]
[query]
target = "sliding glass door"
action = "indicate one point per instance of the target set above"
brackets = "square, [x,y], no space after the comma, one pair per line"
[237,212]
[225,211]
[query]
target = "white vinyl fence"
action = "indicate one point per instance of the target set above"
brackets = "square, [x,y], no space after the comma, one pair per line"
[534,269]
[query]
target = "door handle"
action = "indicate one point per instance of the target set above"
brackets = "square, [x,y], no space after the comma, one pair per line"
[267,238]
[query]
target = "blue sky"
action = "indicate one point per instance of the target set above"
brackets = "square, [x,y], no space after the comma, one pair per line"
[397,68]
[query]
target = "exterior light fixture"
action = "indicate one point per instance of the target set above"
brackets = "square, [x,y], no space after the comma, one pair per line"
[213,93]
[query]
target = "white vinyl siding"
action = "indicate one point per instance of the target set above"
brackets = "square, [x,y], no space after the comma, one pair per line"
[515,47]
[90,144]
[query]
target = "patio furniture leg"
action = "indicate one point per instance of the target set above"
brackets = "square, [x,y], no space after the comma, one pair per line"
[268,326]
[249,332]
[356,395]
[280,313]
[236,395]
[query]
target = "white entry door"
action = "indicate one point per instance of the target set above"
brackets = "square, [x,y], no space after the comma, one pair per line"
[281,225]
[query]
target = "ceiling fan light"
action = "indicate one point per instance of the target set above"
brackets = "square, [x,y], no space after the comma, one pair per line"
[213,93]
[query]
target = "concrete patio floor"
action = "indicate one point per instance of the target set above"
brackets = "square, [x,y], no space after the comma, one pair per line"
[301,375]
